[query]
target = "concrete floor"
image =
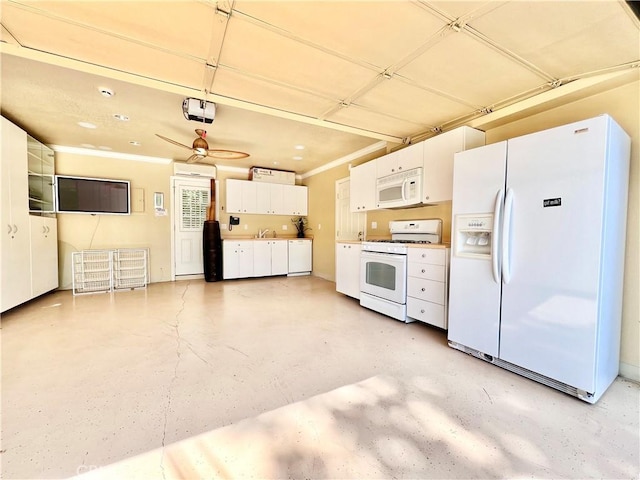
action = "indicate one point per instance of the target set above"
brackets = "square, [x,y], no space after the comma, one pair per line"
[280,378]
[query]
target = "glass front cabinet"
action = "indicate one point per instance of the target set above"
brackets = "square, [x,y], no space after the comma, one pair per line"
[41,177]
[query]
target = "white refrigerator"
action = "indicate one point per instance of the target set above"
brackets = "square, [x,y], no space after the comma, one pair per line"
[538,239]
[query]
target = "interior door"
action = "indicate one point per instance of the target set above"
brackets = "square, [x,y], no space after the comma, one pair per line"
[550,291]
[349,225]
[192,197]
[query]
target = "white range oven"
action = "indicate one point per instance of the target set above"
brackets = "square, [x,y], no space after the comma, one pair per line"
[383,266]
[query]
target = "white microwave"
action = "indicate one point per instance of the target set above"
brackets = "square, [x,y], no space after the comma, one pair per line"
[399,189]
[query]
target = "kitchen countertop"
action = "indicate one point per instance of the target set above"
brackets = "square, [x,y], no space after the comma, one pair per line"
[279,237]
[429,245]
[410,245]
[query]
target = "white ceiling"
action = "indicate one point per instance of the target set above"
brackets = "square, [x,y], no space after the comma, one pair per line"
[336,77]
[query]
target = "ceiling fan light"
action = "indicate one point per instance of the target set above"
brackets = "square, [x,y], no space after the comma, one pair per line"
[227,154]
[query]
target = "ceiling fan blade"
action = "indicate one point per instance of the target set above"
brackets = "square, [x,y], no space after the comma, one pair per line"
[194,158]
[173,141]
[227,154]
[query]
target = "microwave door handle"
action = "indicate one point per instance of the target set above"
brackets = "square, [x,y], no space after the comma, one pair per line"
[404,189]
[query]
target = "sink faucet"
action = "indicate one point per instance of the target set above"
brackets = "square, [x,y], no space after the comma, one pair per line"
[263,233]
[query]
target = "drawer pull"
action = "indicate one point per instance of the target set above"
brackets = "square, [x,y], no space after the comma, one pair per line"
[424,255]
[423,289]
[423,270]
[422,310]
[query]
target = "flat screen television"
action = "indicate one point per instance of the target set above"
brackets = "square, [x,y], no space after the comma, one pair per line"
[92,195]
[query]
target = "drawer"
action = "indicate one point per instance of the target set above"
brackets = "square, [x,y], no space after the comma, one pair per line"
[428,290]
[436,256]
[427,312]
[427,271]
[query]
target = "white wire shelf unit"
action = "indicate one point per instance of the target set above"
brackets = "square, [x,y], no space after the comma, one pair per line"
[102,271]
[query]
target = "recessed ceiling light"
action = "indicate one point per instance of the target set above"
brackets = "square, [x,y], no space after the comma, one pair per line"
[297,157]
[103,147]
[106,92]
[87,125]
[87,145]
[299,147]
[121,117]
[135,143]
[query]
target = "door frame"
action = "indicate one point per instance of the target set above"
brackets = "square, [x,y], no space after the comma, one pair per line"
[172,199]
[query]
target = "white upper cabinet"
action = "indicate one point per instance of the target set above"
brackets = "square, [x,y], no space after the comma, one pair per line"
[276,198]
[437,182]
[295,200]
[263,198]
[266,198]
[362,187]
[400,161]
[241,196]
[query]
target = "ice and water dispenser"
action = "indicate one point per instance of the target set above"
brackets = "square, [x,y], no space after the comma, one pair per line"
[474,236]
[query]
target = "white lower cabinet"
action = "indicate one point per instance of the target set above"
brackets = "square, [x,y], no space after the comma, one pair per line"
[237,259]
[263,258]
[427,285]
[44,254]
[269,258]
[348,268]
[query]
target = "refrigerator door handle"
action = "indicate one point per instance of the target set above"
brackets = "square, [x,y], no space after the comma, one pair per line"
[497,209]
[506,237]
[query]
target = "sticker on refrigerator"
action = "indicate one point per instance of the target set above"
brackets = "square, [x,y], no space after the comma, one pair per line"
[552,202]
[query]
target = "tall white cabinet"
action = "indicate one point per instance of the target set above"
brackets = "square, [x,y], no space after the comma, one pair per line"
[28,251]
[15,262]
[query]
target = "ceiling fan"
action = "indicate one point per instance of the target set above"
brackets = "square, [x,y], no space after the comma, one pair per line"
[201,149]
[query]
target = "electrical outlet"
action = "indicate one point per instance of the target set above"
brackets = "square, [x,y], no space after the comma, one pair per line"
[374,225]
[246,227]
[223,226]
[284,227]
[319,226]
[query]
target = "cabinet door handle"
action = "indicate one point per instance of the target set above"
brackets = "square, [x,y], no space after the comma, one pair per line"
[9,231]
[44,229]
[15,228]
[423,270]
[422,310]
[423,289]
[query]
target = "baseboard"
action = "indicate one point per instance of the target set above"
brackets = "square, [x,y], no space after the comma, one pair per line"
[630,372]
